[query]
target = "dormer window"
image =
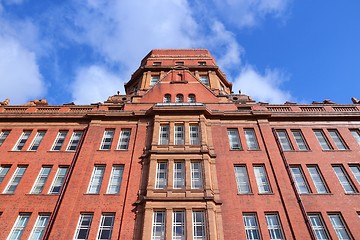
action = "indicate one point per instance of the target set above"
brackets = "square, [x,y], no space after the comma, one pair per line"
[167,98]
[154,79]
[156,63]
[201,63]
[204,79]
[179,98]
[179,63]
[191,98]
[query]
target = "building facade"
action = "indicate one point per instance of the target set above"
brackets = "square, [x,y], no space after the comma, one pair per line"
[179,156]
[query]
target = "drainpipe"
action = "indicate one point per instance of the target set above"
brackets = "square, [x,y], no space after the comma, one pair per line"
[298,198]
[65,184]
[128,180]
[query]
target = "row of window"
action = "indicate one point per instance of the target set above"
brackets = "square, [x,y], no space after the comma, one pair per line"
[320,230]
[179,134]
[81,232]
[319,182]
[94,185]
[320,135]
[123,143]
[234,140]
[179,98]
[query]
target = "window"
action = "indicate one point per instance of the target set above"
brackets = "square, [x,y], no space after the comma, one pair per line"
[58,180]
[191,98]
[39,227]
[37,140]
[3,171]
[178,227]
[284,140]
[199,230]
[179,98]
[324,143]
[83,227]
[22,140]
[201,63]
[154,79]
[251,226]
[156,63]
[344,179]
[167,98]
[179,134]
[3,136]
[299,139]
[107,139]
[124,139]
[115,179]
[179,63]
[242,180]
[318,227]
[161,175]
[204,79]
[339,142]
[251,139]
[194,134]
[179,175]
[60,138]
[234,140]
[355,169]
[15,180]
[196,175]
[339,226]
[317,179]
[41,180]
[262,179]
[106,226]
[74,141]
[158,225]
[96,179]
[300,183]
[164,135]
[354,132]
[19,226]
[274,226]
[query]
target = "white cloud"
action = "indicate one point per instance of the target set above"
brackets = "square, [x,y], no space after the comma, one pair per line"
[94,84]
[262,87]
[20,78]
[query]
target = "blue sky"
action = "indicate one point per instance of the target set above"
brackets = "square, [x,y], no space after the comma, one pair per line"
[273,50]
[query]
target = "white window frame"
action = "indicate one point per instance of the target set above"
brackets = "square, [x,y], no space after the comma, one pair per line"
[3,136]
[124,139]
[339,226]
[179,175]
[161,175]
[58,180]
[19,226]
[251,226]
[194,134]
[274,226]
[300,181]
[39,226]
[284,140]
[154,79]
[167,98]
[22,140]
[164,134]
[80,227]
[102,226]
[355,169]
[354,132]
[300,140]
[96,179]
[179,98]
[41,180]
[344,179]
[37,140]
[322,139]
[115,179]
[317,179]
[4,169]
[107,139]
[234,139]
[199,223]
[179,134]
[242,179]
[178,225]
[262,179]
[251,140]
[196,175]
[15,179]
[59,140]
[318,226]
[191,98]
[337,139]
[158,223]
[204,79]
[74,140]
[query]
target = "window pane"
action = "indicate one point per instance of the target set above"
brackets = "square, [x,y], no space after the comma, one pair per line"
[324,143]
[300,142]
[251,139]
[354,132]
[22,140]
[3,171]
[242,179]
[339,226]
[262,179]
[3,136]
[158,228]
[19,226]
[124,139]
[74,141]
[274,226]
[106,226]
[107,139]
[179,98]
[39,227]
[179,134]
[83,228]
[96,179]
[299,179]
[191,98]
[318,226]
[317,179]
[178,228]
[194,134]
[355,169]
[58,181]
[37,140]
[179,175]
[115,179]
[167,98]
[199,232]
[161,175]
[339,142]
[41,180]
[234,140]
[60,138]
[15,180]
[154,79]
[204,79]
[284,140]
[164,135]
[251,226]
[196,175]
[344,179]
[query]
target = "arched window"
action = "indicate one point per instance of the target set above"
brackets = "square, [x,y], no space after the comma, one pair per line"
[191,98]
[179,98]
[167,98]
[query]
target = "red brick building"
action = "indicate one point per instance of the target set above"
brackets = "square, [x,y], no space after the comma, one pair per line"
[179,157]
